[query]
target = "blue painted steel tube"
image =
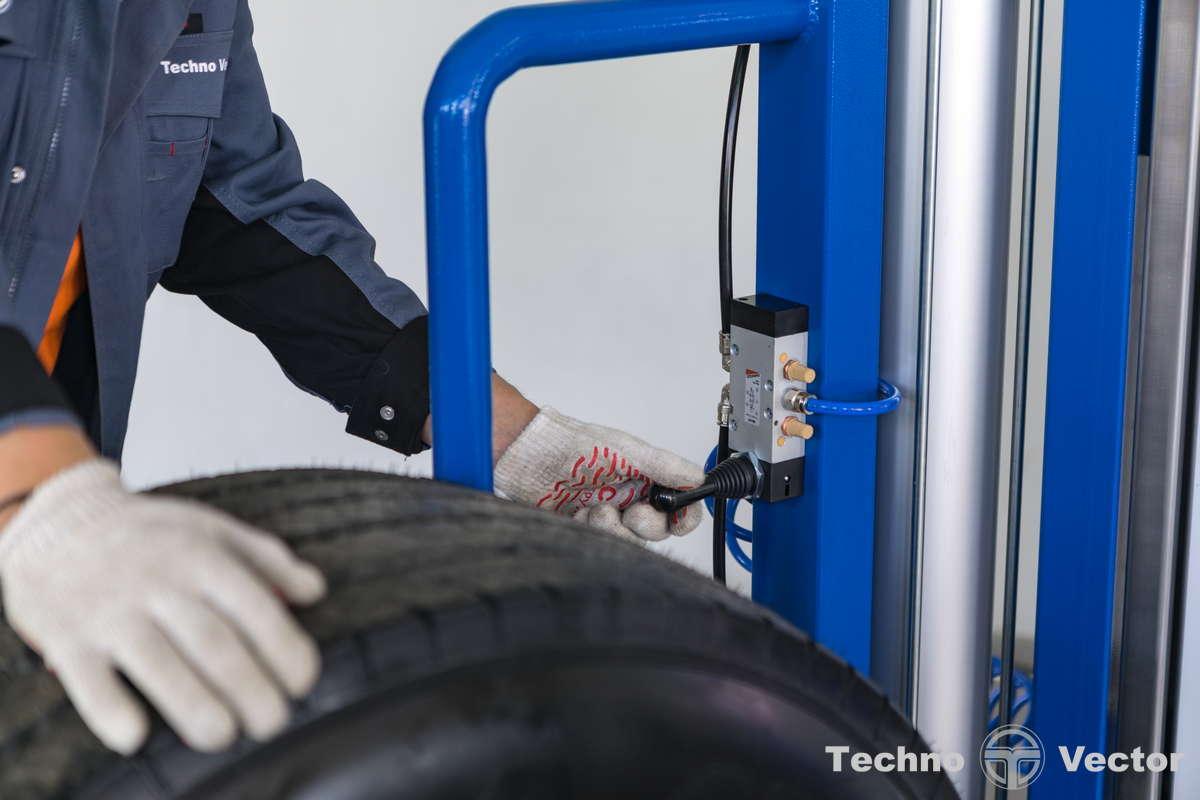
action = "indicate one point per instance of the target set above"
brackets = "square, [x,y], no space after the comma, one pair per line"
[456,170]
[1102,67]
[822,128]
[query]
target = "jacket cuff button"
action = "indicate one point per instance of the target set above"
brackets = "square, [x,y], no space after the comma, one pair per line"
[382,436]
[18,174]
[387,413]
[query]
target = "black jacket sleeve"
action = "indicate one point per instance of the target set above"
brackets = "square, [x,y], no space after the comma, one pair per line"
[25,388]
[317,323]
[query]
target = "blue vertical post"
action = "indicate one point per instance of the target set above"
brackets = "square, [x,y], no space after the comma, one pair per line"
[820,242]
[1103,44]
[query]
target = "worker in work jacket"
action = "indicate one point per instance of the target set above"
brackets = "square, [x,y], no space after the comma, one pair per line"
[138,149]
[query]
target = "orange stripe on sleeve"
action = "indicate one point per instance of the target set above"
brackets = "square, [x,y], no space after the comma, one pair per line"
[72,287]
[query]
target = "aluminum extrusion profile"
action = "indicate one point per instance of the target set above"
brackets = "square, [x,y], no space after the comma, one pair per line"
[1164,385]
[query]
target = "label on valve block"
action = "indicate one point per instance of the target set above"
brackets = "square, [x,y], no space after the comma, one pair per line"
[752,408]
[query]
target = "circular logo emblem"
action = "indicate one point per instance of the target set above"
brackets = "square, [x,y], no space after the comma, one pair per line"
[1012,757]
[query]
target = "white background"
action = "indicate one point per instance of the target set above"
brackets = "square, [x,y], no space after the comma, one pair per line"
[604,185]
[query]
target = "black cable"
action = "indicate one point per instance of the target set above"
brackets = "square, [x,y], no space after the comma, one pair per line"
[733,116]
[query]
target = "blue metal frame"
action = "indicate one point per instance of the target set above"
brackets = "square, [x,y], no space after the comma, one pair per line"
[1103,51]
[821,156]
[820,242]
[456,171]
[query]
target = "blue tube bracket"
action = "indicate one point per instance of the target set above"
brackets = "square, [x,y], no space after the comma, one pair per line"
[821,143]
[456,170]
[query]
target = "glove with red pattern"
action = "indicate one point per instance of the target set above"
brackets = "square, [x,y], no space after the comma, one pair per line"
[598,476]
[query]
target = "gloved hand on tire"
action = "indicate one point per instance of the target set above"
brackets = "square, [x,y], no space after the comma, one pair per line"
[186,602]
[598,476]
[190,604]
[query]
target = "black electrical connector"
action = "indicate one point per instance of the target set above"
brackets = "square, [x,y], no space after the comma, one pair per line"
[733,479]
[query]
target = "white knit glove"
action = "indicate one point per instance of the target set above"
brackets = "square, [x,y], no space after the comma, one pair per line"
[598,476]
[176,596]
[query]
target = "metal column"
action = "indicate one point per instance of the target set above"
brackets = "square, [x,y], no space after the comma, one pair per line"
[1186,731]
[897,542]
[820,241]
[968,219]
[1085,413]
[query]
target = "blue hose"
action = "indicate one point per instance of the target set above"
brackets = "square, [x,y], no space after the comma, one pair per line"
[888,402]
[1022,693]
[735,534]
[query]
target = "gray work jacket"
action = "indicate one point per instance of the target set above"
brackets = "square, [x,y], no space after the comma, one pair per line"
[146,125]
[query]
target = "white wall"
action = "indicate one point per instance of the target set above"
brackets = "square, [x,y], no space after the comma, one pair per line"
[604,204]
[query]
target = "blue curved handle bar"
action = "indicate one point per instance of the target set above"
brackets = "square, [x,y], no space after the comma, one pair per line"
[456,170]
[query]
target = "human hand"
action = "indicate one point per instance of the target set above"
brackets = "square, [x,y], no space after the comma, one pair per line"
[178,597]
[597,475]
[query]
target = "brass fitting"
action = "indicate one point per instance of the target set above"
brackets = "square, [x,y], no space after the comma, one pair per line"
[795,371]
[725,408]
[796,429]
[795,400]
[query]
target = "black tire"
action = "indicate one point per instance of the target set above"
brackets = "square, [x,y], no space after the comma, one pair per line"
[477,649]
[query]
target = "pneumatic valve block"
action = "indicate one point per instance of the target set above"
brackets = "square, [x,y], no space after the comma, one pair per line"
[769,380]
[765,408]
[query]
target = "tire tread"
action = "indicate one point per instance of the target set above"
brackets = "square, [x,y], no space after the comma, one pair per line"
[483,580]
